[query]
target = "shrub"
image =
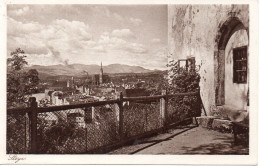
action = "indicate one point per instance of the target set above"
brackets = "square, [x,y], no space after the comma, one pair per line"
[183,80]
[59,138]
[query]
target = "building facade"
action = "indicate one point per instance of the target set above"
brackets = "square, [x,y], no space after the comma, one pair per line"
[217,36]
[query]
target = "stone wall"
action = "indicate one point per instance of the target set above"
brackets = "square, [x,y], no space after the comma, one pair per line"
[194,31]
[235,94]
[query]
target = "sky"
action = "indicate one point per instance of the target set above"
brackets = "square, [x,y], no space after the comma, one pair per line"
[88,34]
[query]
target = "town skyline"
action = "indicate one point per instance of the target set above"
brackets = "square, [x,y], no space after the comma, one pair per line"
[70,34]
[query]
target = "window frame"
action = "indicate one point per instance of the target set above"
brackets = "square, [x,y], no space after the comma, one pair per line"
[189,64]
[237,63]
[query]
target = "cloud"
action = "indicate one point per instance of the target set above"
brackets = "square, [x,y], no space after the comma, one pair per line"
[17,28]
[19,11]
[57,29]
[99,49]
[157,59]
[136,48]
[52,57]
[44,59]
[71,29]
[123,33]
[111,42]
[57,40]
[62,35]
[103,11]
[117,16]
[135,21]
[27,43]
[161,52]
[156,40]
[64,41]
[117,41]
[56,54]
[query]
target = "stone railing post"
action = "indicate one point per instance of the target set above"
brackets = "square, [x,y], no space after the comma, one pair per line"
[163,108]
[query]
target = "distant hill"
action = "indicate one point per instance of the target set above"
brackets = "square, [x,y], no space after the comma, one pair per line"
[118,68]
[81,70]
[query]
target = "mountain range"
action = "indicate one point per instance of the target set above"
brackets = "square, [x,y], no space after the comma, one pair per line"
[82,70]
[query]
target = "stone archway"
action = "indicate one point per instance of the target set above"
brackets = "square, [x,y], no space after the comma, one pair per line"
[226,30]
[55,93]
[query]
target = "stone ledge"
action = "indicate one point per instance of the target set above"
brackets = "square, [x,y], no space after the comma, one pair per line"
[214,123]
[222,125]
[204,121]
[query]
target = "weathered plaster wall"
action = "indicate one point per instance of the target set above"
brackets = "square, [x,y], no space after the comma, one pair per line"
[235,94]
[193,31]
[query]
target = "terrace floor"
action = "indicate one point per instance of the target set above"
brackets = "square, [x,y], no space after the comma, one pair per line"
[185,140]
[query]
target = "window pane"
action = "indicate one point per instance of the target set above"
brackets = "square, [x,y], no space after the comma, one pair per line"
[240,65]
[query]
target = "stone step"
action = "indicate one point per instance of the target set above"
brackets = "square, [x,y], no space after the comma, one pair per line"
[214,123]
[222,125]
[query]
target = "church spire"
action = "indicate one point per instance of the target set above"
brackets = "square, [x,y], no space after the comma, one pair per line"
[101,74]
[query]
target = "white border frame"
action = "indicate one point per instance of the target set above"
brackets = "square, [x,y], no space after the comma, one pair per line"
[139,159]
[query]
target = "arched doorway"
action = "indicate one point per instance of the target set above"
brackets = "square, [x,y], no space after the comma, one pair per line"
[229,35]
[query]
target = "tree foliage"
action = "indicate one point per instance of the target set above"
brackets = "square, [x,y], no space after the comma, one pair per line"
[20,83]
[17,60]
[183,79]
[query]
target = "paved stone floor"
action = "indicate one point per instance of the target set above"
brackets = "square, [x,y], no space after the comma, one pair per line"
[185,140]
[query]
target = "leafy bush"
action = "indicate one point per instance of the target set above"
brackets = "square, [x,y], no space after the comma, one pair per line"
[16,134]
[59,138]
[183,80]
[63,136]
[20,83]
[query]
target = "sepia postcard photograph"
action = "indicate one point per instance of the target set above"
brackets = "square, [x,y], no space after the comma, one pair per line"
[129,83]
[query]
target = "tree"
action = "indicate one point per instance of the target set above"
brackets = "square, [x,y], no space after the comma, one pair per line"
[183,80]
[20,83]
[17,61]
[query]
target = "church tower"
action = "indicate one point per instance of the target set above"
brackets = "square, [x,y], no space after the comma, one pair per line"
[101,75]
